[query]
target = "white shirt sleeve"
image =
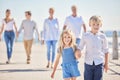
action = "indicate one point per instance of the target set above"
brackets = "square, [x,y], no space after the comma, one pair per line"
[105,45]
[82,43]
[3,21]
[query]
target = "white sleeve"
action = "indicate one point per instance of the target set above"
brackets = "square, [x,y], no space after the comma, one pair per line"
[82,42]
[105,45]
[3,21]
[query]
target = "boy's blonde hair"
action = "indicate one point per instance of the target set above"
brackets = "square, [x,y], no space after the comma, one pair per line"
[61,43]
[96,19]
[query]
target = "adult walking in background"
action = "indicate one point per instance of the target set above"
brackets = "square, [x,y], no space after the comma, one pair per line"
[8,26]
[50,35]
[75,23]
[28,26]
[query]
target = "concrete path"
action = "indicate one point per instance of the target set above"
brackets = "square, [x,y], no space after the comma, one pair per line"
[19,70]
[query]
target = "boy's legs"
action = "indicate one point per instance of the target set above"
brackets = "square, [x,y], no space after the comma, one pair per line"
[25,46]
[28,45]
[88,72]
[98,72]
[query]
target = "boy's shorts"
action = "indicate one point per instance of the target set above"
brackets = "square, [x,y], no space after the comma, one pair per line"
[70,70]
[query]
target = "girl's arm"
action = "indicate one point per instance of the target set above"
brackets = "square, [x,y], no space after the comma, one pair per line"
[1,30]
[77,54]
[55,65]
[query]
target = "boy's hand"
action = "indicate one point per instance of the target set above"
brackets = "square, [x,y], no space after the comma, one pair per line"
[52,75]
[106,67]
[77,54]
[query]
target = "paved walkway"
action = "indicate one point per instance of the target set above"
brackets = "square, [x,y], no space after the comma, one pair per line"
[19,70]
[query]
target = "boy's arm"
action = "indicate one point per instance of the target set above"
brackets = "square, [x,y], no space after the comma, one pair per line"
[55,65]
[21,27]
[106,51]
[106,62]
[36,28]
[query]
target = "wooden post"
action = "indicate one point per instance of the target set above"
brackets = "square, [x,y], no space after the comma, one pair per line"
[115,46]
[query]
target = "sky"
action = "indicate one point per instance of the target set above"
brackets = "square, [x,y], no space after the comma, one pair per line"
[107,9]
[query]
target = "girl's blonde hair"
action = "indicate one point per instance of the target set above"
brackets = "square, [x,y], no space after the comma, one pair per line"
[61,43]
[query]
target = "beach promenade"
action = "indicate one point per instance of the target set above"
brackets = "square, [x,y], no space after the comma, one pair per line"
[19,70]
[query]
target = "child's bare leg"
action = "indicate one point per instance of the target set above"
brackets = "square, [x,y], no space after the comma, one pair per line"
[67,79]
[73,78]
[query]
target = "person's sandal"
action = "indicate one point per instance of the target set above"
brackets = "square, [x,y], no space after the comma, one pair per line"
[7,62]
[28,61]
[47,66]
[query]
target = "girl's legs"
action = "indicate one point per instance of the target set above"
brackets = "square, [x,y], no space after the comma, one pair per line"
[48,43]
[53,51]
[73,78]
[67,79]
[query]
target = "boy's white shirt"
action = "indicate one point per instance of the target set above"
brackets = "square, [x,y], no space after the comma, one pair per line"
[96,47]
[74,24]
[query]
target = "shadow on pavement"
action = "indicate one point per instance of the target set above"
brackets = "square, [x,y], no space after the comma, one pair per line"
[25,70]
[114,72]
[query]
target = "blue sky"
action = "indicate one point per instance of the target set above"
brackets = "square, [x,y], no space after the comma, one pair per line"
[107,9]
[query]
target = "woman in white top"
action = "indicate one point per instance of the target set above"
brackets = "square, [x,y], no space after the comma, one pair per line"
[8,25]
[50,35]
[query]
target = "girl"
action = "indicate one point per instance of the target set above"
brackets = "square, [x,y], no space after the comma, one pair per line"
[70,53]
[9,35]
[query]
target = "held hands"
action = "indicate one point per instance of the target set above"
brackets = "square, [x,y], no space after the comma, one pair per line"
[77,54]
[17,34]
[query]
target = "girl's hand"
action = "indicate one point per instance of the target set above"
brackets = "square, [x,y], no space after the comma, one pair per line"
[77,54]
[106,67]
[52,75]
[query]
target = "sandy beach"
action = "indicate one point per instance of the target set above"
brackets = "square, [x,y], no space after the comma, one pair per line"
[19,70]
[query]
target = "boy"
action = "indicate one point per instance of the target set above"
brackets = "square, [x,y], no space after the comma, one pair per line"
[29,26]
[96,56]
